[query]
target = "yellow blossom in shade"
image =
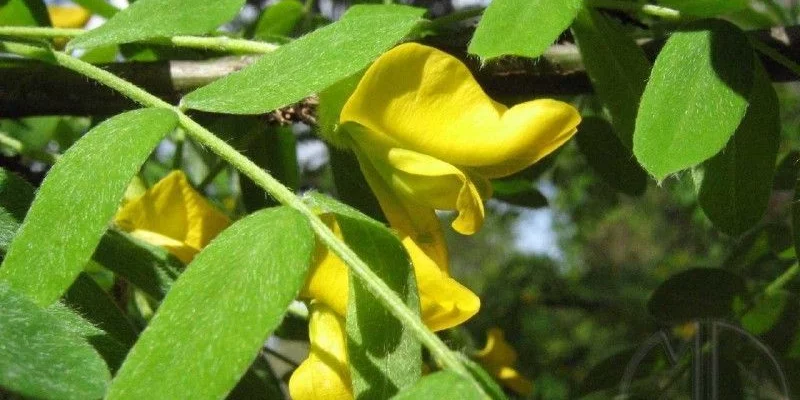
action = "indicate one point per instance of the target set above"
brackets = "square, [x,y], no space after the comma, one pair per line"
[498,358]
[68,16]
[325,373]
[171,214]
[444,302]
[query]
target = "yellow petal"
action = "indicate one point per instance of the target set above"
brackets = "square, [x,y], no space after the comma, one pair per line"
[512,379]
[328,280]
[497,351]
[444,302]
[424,179]
[179,249]
[325,373]
[172,209]
[428,102]
[68,16]
[419,224]
[498,357]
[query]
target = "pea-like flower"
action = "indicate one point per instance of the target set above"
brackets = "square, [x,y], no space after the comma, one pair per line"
[427,138]
[171,214]
[498,358]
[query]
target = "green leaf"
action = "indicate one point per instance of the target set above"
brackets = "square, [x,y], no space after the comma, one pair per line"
[796,218]
[150,268]
[336,51]
[705,8]
[273,148]
[617,67]
[609,157]
[351,186]
[734,186]
[696,294]
[695,99]
[110,348]
[77,200]
[765,313]
[384,356]
[99,7]
[258,383]
[16,196]
[442,385]
[41,357]
[150,19]
[521,27]
[331,102]
[279,20]
[220,311]
[93,303]
[519,192]
[486,381]
[24,13]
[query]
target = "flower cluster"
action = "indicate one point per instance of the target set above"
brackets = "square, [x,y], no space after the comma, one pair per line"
[427,138]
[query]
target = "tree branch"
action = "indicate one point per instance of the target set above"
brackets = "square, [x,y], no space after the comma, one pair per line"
[29,88]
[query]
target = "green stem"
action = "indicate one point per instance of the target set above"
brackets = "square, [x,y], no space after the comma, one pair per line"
[287,360]
[649,9]
[218,43]
[212,174]
[285,196]
[20,148]
[782,280]
[456,17]
[779,58]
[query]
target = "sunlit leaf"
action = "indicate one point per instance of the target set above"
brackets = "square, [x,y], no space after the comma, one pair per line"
[521,27]
[220,311]
[16,196]
[278,20]
[148,19]
[696,96]
[442,385]
[73,206]
[24,13]
[335,52]
[41,357]
[383,354]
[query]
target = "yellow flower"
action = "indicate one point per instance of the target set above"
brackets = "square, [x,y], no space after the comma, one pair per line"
[324,374]
[498,358]
[444,302]
[426,137]
[68,16]
[420,123]
[173,215]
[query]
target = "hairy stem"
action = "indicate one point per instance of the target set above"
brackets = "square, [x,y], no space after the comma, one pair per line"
[218,43]
[649,9]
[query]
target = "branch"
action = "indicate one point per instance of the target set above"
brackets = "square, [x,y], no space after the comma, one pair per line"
[29,88]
